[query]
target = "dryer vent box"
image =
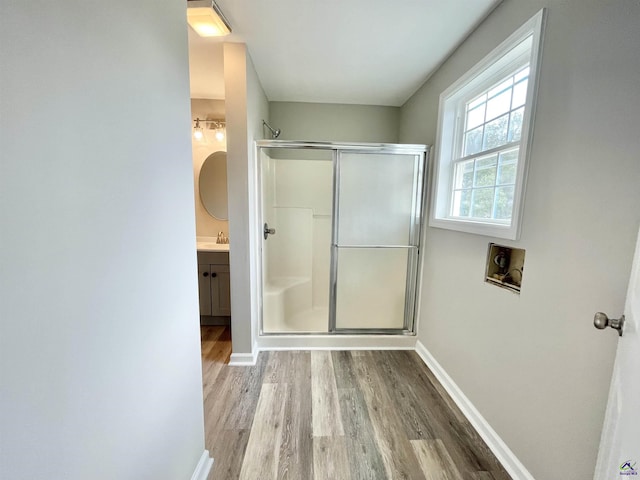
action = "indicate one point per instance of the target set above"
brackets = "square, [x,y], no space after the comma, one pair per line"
[505,267]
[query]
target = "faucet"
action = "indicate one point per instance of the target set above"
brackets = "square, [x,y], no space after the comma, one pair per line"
[222,238]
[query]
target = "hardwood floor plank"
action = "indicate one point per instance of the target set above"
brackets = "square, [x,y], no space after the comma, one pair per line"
[213,362]
[365,461]
[330,459]
[343,369]
[280,366]
[411,408]
[219,405]
[228,452]
[396,452]
[246,395]
[420,366]
[413,386]
[481,476]
[296,449]
[326,416]
[435,461]
[263,449]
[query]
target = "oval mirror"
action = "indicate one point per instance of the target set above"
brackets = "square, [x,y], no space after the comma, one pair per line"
[213,185]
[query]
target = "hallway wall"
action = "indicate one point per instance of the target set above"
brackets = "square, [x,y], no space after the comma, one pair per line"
[99,342]
[533,364]
[246,106]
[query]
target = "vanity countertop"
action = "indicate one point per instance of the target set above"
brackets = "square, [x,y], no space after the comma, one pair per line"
[208,244]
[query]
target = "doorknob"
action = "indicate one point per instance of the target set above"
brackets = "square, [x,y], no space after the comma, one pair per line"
[268,231]
[600,321]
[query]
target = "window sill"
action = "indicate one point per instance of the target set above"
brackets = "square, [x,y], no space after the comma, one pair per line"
[508,232]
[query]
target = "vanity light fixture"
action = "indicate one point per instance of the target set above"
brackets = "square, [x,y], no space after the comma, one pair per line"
[206,18]
[197,130]
[218,125]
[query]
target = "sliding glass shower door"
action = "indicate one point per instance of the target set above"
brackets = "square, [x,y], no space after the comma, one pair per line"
[341,236]
[375,243]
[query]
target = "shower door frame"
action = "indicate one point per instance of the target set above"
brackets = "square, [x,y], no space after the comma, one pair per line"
[419,201]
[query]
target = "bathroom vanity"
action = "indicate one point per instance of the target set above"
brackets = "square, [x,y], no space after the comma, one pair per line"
[213,283]
[213,253]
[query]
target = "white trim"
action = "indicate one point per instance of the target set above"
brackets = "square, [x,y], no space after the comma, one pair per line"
[244,359]
[203,467]
[505,456]
[447,130]
[336,342]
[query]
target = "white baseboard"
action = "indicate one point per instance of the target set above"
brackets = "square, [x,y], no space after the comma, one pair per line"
[203,468]
[504,455]
[244,359]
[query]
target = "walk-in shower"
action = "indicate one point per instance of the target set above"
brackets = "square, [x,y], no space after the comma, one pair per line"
[341,229]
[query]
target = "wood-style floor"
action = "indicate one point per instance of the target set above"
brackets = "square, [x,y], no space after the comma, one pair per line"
[342,415]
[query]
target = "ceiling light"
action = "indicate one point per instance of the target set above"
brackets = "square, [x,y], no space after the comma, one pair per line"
[206,18]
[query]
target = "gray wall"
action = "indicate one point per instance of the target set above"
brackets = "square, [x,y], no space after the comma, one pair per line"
[246,106]
[334,122]
[533,364]
[257,110]
[99,341]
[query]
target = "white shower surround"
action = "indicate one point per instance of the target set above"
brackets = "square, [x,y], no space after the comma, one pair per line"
[297,197]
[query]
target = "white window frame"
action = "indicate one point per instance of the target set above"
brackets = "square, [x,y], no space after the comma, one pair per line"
[503,59]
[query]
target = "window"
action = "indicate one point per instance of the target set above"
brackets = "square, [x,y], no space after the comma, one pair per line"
[485,124]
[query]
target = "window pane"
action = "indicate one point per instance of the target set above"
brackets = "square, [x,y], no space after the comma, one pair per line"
[499,105]
[475,117]
[519,94]
[482,205]
[486,171]
[506,84]
[464,174]
[473,141]
[461,203]
[507,167]
[522,74]
[504,202]
[515,125]
[477,101]
[495,132]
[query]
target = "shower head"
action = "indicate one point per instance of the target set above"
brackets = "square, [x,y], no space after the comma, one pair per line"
[274,133]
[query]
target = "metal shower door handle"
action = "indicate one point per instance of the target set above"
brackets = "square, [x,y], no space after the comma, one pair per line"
[601,321]
[268,231]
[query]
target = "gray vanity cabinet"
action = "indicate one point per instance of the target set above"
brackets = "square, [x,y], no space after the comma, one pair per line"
[213,284]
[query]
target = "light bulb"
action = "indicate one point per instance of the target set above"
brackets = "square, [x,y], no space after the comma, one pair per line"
[197,133]
[219,135]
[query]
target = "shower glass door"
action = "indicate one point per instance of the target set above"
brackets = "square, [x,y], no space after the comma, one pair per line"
[340,236]
[377,212]
[297,203]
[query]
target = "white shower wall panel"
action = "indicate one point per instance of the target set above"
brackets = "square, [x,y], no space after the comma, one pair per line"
[321,266]
[290,249]
[304,183]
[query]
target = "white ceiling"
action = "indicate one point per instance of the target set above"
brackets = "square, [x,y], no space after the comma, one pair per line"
[372,52]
